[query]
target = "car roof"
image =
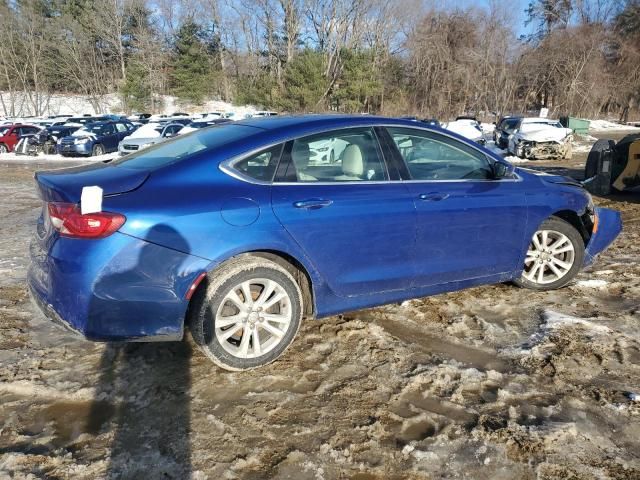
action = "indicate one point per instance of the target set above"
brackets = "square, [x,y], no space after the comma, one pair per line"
[301,124]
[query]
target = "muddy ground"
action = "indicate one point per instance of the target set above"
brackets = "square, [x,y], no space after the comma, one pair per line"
[493,383]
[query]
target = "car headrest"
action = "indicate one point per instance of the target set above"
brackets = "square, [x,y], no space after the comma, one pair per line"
[300,154]
[352,161]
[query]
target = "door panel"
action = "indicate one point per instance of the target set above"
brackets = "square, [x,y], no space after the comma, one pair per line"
[469,224]
[468,229]
[355,226]
[359,237]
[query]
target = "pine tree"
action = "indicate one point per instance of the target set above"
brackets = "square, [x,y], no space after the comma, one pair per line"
[191,75]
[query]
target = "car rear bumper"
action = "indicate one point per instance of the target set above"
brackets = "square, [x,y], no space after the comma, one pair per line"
[115,289]
[608,229]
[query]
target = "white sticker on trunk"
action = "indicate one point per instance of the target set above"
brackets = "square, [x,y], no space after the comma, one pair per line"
[91,200]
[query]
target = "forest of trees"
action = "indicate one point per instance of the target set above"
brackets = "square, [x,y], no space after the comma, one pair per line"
[408,57]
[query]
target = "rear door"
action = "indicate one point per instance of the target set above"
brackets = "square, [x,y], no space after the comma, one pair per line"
[333,194]
[470,225]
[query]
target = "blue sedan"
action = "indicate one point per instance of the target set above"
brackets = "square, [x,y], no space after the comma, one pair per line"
[239,231]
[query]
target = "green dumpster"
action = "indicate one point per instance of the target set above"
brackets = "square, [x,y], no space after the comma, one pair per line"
[578,125]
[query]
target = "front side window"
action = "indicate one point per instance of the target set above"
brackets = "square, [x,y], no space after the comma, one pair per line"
[349,155]
[260,166]
[432,156]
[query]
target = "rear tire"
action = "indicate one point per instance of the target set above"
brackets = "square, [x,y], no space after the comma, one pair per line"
[591,167]
[242,331]
[554,257]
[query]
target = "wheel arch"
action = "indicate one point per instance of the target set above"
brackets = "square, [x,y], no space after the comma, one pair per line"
[296,268]
[576,221]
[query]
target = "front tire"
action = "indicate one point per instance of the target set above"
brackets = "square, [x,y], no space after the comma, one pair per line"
[247,313]
[554,257]
[3,148]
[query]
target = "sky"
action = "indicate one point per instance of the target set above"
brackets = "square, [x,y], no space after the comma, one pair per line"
[516,10]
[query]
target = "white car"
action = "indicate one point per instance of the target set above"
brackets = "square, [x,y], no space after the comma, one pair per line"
[467,128]
[148,135]
[540,138]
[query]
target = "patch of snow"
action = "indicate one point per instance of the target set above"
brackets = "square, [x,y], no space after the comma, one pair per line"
[488,127]
[581,147]
[553,320]
[12,157]
[592,283]
[599,125]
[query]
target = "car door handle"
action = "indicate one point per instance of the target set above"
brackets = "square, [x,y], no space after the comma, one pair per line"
[313,204]
[433,197]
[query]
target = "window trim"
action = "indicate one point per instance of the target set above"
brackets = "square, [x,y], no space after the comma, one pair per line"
[229,168]
[285,159]
[406,171]
[226,166]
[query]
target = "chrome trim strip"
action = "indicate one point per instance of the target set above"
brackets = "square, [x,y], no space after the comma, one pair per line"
[226,166]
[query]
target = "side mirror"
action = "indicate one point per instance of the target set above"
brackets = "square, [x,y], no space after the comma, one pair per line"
[502,169]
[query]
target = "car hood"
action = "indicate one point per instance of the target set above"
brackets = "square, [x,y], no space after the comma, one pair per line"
[141,141]
[546,134]
[550,178]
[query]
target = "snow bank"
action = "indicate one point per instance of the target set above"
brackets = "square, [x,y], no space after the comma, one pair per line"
[599,125]
[12,157]
[70,104]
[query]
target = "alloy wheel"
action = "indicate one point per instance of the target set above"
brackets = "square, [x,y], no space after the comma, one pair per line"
[550,257]
[253,318]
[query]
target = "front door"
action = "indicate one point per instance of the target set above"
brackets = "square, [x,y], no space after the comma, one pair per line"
[470,225]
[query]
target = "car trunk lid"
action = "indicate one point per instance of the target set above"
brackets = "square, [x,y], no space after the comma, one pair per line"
[66,185]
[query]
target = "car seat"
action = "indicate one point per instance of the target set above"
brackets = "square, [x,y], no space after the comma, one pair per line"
[300,156]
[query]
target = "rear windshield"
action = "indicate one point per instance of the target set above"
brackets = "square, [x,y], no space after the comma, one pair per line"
[184,146]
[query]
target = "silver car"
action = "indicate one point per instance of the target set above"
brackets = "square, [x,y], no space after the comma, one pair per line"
[134,143]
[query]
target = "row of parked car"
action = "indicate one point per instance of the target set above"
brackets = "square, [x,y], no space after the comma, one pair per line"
[98,135]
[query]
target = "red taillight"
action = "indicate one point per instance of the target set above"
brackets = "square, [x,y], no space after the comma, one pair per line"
[67,219]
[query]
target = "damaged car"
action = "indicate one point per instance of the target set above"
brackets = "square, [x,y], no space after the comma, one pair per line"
[539,139]
[233,233]
[45,141]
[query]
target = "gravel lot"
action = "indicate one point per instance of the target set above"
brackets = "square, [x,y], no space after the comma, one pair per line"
[492,382]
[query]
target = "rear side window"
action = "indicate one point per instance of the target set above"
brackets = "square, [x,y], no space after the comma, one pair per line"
[348,155]
[432,156]
[121,127]
[260,166]
[185,146]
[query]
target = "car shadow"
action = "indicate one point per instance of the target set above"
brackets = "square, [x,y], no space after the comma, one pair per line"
[148,385]
[142,398]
